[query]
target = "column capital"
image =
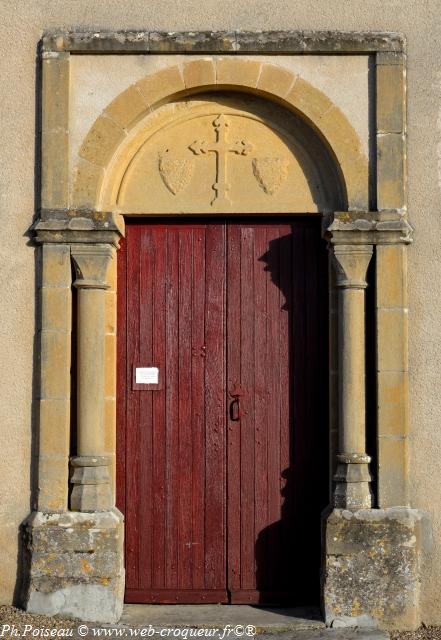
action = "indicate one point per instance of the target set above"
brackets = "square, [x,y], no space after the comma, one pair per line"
[91,262]
[351,263]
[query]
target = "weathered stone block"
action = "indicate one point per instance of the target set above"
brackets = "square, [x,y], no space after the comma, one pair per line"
[55,123]
[127,107]
[372,567]
[198,73]
[54,426]
[390,171]
[76,565]
[309,101]
[275,80]
[52,482]
[392,336]
[235,71]
[101,141]
[390,97]
[54,168]
[391,289]
[87,181]
[393,476]
[56,308]
[55,364]
[57,270]
[162,84]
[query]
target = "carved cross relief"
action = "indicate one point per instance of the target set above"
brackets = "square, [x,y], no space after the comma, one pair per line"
[176,172]
[221,147]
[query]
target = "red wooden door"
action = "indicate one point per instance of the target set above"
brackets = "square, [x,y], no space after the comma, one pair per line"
[221,466]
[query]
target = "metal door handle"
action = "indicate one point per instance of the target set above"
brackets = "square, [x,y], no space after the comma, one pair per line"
[235,412]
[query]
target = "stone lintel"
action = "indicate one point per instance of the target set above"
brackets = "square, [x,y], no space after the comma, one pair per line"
[388,226]
[76,565]
[233,42]
[363,549]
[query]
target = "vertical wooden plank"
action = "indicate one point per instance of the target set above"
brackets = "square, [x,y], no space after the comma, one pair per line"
[272,352]
[132,438]
[215,409]
[159,237]
[197,407]
[146,263]
[172,411]
[286,552]
[261,442]
[247,422]
[233,458]
[184,461]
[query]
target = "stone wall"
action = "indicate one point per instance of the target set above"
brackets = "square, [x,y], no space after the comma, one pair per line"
[22,26]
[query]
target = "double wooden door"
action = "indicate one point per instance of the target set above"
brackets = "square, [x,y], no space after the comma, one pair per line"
[222,459]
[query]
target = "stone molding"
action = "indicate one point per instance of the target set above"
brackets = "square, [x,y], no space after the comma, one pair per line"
[367,227]
[72,226]
[233,42]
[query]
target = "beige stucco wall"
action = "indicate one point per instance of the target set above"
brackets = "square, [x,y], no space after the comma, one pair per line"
[22,24]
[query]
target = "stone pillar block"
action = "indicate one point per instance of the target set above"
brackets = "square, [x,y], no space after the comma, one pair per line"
[371,573]
[55,381]
[76,567]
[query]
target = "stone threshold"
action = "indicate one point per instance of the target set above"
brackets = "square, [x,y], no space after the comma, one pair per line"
[299,623]
[265,619]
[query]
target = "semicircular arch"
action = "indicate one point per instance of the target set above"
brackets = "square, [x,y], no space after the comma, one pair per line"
[112,133]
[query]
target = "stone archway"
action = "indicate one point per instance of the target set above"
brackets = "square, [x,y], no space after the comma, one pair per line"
[85,578]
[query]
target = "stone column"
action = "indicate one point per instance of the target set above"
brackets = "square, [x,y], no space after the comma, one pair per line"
[90,478]
[352,478]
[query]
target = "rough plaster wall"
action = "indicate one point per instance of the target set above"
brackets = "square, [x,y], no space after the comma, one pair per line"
[22,22]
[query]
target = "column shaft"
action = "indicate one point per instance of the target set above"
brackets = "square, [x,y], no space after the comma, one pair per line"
[90,371]
[352,370]
[91,480]
[352,478]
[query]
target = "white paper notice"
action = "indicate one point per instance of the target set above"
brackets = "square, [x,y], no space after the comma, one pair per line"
[147,375]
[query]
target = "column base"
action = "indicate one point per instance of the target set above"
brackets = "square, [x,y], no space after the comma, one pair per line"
[76,565]
[91,484]
[371,572]
[352,482]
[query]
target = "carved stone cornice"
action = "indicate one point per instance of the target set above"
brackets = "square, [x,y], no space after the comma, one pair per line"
[78,226]
[236,42]
[367,227]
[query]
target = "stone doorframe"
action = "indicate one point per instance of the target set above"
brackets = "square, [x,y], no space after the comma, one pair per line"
[76,563]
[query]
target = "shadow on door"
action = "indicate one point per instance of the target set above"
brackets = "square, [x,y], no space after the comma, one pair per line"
[288,551]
